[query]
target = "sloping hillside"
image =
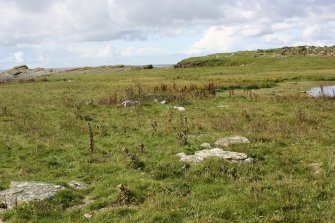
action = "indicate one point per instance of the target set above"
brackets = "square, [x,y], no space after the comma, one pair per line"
[243,58]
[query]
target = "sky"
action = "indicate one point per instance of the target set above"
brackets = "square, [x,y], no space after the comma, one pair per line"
[73,33]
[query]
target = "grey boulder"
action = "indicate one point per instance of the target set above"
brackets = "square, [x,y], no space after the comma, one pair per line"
[25,192]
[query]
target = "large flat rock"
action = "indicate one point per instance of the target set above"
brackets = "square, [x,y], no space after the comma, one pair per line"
[199,156]
[25,192]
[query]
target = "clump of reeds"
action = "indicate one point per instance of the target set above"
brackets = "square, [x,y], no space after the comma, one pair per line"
[154,127]
[135,162]
[91,139]
[125,195]
[110,100]
[182,138]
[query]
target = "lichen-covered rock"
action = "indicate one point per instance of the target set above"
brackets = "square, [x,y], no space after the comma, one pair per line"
[25,192]
[225,142]
[199,156]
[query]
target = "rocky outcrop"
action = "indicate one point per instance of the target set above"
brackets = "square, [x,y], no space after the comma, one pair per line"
[25,192]
[199,156]
[22,72]
[149,66]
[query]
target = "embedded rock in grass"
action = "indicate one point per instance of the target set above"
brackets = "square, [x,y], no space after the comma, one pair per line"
[206,145]
[129,103]
[181,109]
[77,185]
[322,91]
[25,192]
[225,142]
[316,167]
[199,156]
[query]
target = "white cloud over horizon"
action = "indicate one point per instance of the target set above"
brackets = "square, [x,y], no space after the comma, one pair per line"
[54,33]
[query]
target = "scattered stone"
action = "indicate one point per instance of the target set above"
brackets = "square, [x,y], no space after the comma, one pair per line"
[195,135]
[316,167]
[89,215]
[206,145]
[129,103]
[77,185]
[199,156]
[25,192]
[181,109]
[225,142]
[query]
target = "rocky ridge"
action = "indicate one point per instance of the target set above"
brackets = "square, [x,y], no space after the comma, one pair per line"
[23,72]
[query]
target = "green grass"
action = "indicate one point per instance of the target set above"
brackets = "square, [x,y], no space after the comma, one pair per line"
[44,137]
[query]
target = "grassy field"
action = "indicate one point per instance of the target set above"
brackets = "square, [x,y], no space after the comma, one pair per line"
[44,137]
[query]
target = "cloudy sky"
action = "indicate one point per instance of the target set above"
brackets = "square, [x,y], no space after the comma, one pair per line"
[71,33]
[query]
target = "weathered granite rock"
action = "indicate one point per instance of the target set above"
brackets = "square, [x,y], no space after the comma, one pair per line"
[25,192]
[17,70]
[199,156]
[225,142]
[77,185]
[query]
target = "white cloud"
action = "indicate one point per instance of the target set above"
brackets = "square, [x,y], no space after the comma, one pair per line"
[93,51]
[55,30]
[17,57]
[215,39]
[137,52]
[283,39]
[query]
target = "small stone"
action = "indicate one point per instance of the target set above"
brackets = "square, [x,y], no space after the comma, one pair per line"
[77,185]
[181,109]
[129,103]
[249,160]
[316,167]
[163,102]
[89,215]
[225,142]
[206,145]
